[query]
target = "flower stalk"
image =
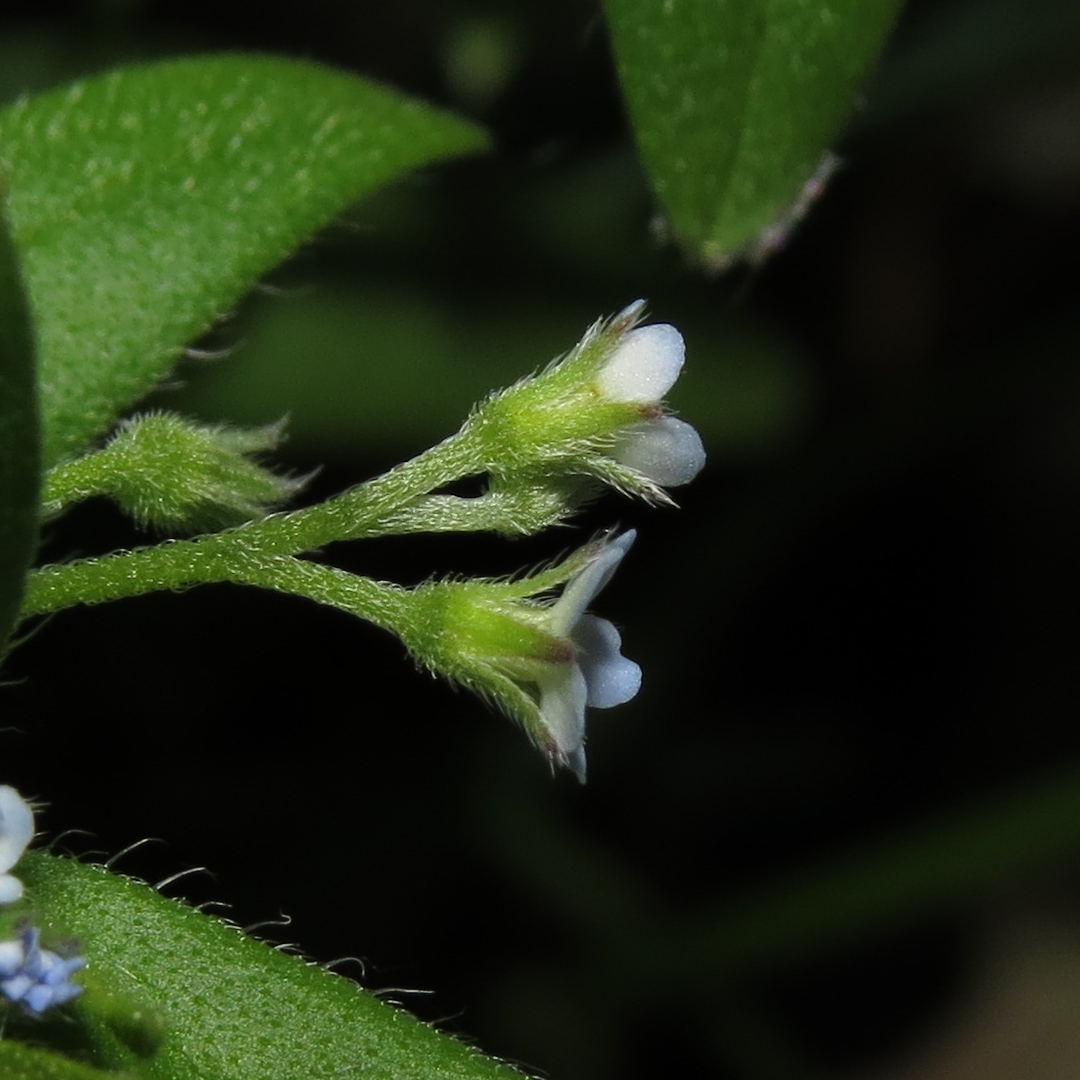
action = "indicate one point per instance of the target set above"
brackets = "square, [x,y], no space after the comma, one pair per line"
[543,447]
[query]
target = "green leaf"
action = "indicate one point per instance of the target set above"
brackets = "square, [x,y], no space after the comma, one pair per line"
[734,102]
[19,467]
[147,201]
[223,1006]
[21,1062]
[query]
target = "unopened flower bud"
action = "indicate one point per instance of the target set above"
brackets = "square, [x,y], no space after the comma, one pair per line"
[178,476]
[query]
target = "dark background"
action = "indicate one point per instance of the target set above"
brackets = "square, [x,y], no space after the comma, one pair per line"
[861,622]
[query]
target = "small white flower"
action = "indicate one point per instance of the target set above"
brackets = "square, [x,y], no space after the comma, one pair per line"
[641,369]
[596,673]
[16,831]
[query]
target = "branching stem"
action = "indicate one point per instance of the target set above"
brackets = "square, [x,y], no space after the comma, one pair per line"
[250,554]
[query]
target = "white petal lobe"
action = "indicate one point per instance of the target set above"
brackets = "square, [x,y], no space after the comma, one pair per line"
[11,889]
[16,827]
[644,365]
[667,450]
[579,592]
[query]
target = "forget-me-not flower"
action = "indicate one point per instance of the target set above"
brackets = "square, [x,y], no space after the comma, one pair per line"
[599,412]
[543,661]
[593,670]
[36,978]
[16,831]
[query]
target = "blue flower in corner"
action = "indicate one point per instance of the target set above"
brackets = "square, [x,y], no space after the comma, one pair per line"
[36,978]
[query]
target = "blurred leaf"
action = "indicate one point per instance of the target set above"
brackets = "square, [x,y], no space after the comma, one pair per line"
[954,53]
[642,942]
[148,200]
[233,1008]
[734,102]
[965,853]
[19,467]
[21,1062]
[427,359]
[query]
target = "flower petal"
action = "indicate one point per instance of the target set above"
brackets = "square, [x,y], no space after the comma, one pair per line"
[11,889]
[580,590]
[575,762]
[667,450]
[610,677]
[643,366]
[12,956]
[563,696]
[16,827]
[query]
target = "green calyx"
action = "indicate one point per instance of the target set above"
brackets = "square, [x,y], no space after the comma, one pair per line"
[556,421]
[500,630]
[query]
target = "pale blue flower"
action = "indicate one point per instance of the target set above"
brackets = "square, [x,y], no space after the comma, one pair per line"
[596,673]
[36,978]
[16,831]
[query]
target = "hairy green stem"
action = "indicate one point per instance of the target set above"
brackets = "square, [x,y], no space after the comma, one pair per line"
[378,602]
[241,554]
[513,513]
[172,566]
[70,482]
[363,510]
